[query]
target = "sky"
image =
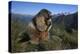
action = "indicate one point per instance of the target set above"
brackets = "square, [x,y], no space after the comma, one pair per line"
[33,8]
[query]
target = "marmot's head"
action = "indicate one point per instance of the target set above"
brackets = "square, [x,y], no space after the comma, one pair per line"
[45,13]
[42,20]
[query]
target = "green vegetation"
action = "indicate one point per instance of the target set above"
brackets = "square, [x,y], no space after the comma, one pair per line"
[60,39]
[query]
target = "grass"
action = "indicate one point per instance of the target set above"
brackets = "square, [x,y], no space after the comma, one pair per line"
[59,39]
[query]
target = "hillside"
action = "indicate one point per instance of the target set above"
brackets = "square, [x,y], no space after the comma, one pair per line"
[68,21]
[63,34]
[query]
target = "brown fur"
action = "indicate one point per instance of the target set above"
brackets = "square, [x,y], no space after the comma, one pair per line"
[37,29]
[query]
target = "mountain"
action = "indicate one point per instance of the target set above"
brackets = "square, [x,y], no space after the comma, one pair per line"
[21,18]
[69,22]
